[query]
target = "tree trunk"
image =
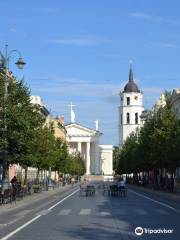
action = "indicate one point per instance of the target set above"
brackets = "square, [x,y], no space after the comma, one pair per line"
[38,174]
[25,177]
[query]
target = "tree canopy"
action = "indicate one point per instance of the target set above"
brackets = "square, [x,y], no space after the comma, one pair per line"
[153,146]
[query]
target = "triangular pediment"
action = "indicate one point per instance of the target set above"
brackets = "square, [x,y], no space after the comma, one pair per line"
[75,129]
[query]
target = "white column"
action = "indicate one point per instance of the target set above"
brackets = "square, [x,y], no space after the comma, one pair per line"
[88,158]
[79,148]
[97,160]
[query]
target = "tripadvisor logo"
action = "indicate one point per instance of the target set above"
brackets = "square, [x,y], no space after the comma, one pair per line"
[139,231]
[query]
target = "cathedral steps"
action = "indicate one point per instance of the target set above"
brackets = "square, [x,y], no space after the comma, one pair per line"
[96,178]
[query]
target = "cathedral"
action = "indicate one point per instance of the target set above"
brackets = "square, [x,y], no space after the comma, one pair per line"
[130,109]
[86,141]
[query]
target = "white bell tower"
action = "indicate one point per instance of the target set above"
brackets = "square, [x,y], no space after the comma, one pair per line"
[131,107]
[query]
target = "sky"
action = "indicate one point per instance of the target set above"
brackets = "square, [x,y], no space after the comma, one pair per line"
[79,51]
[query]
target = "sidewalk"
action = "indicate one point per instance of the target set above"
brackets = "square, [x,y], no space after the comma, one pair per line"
[173,196]
[35,197]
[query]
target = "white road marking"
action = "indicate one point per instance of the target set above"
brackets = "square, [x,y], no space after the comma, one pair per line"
[63,199]
[20,228]
[43,205]
[105,214]
[160,203]
[35,218]
[85,211]
[64,212]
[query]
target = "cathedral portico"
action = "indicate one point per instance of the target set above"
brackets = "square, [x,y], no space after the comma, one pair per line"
[85,141]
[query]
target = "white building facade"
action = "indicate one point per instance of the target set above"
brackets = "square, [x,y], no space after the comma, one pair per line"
[130,109]
[97,158]
[106,159]
[37,100]
[85,141]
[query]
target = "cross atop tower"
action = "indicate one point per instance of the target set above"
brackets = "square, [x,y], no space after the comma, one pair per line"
[72,112]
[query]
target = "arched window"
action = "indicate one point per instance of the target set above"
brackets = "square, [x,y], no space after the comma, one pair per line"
[136,118]
[128,100]
[128,118]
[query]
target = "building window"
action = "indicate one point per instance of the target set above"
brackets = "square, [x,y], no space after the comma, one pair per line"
[121,120]
[136,118]
[128,118]
[128,100]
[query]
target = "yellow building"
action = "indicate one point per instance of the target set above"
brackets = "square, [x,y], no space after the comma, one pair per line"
[58,126]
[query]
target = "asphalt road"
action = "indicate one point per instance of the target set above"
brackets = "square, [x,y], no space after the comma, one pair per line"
[68,216]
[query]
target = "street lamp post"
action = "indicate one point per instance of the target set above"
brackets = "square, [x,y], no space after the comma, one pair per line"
[5,58]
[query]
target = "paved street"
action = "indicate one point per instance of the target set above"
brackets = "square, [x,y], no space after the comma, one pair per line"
[68,216]
[90,103]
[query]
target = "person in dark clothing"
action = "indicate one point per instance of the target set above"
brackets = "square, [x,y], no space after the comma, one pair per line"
[172,184]
[13,180]
[14,184]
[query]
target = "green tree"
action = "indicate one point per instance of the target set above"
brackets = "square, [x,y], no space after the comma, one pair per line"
[116,156]
[60,155]
[44,148]
[22,119]
[129,155]
[74,165]
[155,145]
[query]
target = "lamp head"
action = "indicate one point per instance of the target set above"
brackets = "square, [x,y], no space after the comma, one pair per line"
[20,63]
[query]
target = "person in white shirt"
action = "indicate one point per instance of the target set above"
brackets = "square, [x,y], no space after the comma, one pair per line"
[121,184]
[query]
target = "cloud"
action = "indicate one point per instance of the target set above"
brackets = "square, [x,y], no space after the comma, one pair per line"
[78,89]
[162,44]
[57,85]
[145,16]
[114,98]
[84,90]
[75,41]
[151,95]
[74,88]
[152,18]
[151,90]
[79,40]
[59,79]
[86,109]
